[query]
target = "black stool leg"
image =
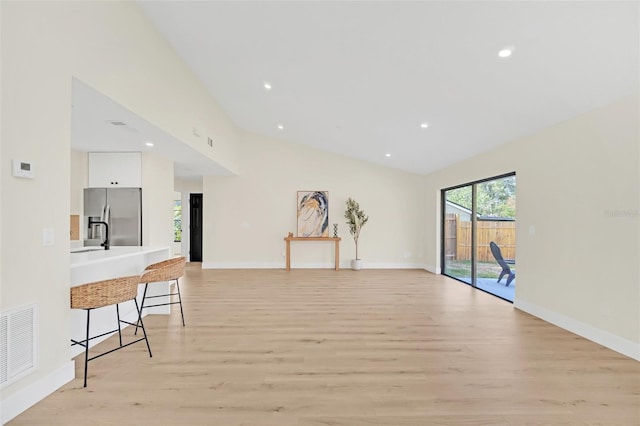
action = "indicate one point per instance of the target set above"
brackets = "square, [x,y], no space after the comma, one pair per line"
[142,326]
[144,295]
[180,300]
[119,329]
[86,351]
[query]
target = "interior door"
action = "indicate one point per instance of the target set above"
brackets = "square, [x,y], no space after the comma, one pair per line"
[195,227]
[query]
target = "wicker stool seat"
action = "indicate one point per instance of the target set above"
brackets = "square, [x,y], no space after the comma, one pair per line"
[167,270]
[106,293]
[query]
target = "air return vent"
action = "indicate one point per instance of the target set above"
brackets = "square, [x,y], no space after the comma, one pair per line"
[122,125]
[18,337]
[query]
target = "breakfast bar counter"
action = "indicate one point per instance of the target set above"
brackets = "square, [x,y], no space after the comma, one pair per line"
[90,264]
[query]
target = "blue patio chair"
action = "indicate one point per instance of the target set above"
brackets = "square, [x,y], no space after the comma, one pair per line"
[506,270]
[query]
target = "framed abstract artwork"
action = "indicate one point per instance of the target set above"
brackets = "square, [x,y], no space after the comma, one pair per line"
[313,213]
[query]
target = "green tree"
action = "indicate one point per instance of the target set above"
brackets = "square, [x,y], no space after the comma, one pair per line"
[460,196]
[495,198]
[356,219]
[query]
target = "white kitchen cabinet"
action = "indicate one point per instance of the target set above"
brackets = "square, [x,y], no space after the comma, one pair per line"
[115,169]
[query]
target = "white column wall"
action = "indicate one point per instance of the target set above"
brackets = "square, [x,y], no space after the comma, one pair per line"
[113,48]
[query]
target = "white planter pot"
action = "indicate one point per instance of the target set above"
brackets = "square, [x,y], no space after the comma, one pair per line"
[356,264]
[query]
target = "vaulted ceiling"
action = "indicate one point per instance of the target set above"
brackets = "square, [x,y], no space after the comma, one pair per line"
[359,78]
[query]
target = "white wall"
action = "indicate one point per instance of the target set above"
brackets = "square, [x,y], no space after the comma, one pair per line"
[246,217]
[157,201]
[188,185]
[78,178]
[113,48]
[579,271]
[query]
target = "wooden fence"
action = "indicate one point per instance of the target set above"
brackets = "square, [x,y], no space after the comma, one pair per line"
[457,240]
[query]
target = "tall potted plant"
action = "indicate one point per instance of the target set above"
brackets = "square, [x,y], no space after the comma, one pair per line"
[355,220]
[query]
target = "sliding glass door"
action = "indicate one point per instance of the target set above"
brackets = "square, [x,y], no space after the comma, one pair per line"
[457,233]
[479,234]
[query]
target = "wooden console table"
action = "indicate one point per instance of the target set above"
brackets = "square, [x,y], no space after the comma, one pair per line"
[292,238]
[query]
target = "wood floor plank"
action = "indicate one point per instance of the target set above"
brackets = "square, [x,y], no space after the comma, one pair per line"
[345,348]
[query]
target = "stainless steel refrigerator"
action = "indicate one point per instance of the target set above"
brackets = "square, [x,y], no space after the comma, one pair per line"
[120,208]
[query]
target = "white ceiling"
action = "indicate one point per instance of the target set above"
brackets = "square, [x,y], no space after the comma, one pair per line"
[357,78]
[92,131]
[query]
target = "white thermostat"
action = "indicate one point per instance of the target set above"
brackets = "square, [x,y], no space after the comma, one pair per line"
[23,169]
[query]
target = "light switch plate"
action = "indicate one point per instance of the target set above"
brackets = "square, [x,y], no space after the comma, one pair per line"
[48,236]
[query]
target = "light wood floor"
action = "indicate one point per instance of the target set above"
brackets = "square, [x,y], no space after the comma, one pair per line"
[374,347]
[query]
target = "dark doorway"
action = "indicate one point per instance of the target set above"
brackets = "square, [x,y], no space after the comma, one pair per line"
[195,227]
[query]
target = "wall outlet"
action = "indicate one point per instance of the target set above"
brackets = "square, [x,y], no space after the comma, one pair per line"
[210,142]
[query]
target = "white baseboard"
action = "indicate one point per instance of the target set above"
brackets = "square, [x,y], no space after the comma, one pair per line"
[386,265]
[609,340]
[313,265]
[433,269]
[243,265]
[21,400]
[309,265]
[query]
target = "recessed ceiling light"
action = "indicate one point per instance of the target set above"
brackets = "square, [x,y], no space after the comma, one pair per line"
[506,52]
[280,126]
[267,85]
[387,155]
[424,125]
[148,143]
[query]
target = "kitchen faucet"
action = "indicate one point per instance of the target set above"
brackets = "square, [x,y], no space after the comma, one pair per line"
[105,244]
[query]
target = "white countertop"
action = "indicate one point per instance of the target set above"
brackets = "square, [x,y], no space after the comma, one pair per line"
[97,265]
[101,255]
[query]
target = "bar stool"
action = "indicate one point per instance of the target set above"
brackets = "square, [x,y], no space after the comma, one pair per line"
[99,294]
[167,270]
